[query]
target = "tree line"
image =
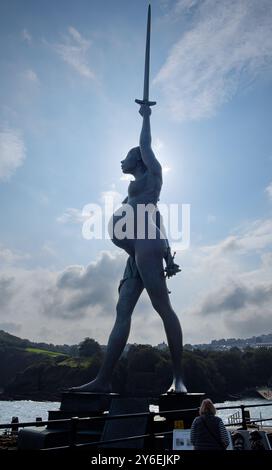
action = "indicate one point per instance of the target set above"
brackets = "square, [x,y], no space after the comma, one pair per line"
[220,374]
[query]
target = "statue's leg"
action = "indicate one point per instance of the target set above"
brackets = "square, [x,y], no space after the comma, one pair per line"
[149,262]
[129,293]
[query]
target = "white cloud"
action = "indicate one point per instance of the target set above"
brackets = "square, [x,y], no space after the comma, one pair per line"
[224,290]
[125,177]
[66,302]
[74,51]
[10,327]
[75,216]
[71,216]
[12,152]
[268,190]
[8,256]
[30,75]
[227,286]
[254,236]
[235,296]
[48,249]
[217,288]
[26,36]
[228,44]
[112,195]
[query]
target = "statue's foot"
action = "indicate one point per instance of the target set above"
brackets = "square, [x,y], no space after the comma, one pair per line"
[178,386]
[96,386]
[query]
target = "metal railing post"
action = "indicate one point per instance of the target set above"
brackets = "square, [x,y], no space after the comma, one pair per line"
[244,420]
[73,431]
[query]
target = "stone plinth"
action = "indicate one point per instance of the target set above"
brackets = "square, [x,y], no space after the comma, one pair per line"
[73,404]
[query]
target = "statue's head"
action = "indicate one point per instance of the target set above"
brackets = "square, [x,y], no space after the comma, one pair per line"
[133,161]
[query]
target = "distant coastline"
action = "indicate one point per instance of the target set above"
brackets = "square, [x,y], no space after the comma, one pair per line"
[29,371]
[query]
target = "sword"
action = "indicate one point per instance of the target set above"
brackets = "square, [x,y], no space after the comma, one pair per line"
[145,99]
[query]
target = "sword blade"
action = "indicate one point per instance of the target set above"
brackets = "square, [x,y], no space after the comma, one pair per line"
[145,99]
[147,57]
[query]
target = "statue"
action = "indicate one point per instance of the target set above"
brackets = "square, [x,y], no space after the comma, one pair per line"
[145,264]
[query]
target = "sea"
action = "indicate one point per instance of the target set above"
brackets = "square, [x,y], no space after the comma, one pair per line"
[28,410]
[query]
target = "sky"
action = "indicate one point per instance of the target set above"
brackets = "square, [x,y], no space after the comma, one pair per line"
[70,71]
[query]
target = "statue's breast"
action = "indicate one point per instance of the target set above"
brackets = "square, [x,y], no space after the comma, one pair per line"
[146,189]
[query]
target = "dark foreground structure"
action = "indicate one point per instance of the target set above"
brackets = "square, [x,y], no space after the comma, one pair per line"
[110,420]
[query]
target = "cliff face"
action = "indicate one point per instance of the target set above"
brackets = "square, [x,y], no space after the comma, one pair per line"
[13,361]
[37,376]
[45,381]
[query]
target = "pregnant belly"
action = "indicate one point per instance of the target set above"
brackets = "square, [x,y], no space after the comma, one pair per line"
[121,231]
[126,227]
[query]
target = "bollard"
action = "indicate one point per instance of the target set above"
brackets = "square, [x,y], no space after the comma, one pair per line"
[14,427]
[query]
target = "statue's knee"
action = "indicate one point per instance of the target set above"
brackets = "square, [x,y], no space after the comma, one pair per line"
[162,308]
[157,305]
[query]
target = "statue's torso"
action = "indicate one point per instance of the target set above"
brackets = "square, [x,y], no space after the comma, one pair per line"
[145,190]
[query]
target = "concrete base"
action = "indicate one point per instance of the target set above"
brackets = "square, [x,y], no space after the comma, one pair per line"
[87,402]
[73,404]
[127,427]
[41,438]
[93,404]
[178,401]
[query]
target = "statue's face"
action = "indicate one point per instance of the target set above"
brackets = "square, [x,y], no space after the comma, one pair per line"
[129,164]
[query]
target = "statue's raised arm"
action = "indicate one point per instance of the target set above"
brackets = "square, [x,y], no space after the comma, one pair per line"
[148,157]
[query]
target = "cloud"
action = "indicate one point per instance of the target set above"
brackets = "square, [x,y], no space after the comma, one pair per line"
[226,288]
[67,303]
[30,75]
[26,36]
[66,306]
[79,288]
[268,190]
[74,51]
[8,256]
[71,216]
[250,323]
[236,296]
[112,196]
[126,177]
[6,290]
[12,152]
[10,327]
[227,46]
[48,249]
[76,216]
[254,236]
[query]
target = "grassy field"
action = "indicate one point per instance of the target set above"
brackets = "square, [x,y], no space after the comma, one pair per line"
[73,362]
[45,352]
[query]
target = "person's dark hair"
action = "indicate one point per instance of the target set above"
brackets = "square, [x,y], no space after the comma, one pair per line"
[137,152]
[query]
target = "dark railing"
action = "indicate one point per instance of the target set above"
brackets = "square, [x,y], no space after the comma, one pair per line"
[75,421]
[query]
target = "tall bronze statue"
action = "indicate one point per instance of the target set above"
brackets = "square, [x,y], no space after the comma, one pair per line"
[150,260]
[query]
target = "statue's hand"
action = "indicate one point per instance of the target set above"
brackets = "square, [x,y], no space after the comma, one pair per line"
[145,110]
[171,267]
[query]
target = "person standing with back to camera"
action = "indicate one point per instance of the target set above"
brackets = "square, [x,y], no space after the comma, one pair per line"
[208,431]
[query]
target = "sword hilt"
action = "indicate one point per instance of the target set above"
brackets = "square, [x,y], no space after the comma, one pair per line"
[146,102]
